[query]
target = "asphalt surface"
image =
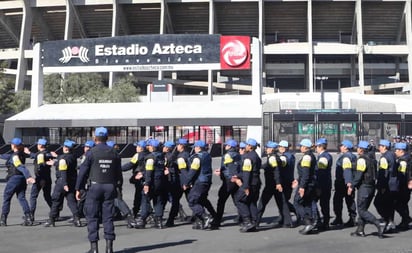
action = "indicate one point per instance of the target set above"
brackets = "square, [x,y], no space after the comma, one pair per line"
[182,238]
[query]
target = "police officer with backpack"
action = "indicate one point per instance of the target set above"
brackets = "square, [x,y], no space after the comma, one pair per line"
[102,168]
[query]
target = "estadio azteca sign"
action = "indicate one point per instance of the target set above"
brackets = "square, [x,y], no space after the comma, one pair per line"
[147,53]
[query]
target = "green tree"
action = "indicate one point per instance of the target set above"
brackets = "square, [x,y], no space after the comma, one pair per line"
[7,94]
[123,91]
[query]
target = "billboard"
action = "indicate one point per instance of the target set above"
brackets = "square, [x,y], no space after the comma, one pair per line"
[157,52]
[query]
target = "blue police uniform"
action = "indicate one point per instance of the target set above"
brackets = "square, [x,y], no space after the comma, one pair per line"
[287,174]
[43,177]
[250,176]
[137,165]
[230,166]
[343,176]
[306,180]
[324,182]
[364,181]
[200,177]
[385,196]
[66,175]
[156,180]
[403,162]
[17,173]
[102,168]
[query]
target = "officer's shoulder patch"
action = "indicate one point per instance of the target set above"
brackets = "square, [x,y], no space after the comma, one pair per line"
[40,158]
[195,165]
[16,161]
[322,163]
[346,163]
[273,161]
[361,165]
[383,163]
[306,161]
[149,164]
[402,166]
[227,159]
[247,165]
[135,158]
[62,164]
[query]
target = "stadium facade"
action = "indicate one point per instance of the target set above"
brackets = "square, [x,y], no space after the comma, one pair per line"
[311,53]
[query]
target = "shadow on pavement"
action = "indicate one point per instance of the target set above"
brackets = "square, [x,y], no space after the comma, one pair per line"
[155,246]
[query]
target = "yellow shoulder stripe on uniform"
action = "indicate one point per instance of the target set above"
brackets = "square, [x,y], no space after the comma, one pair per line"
[273,162]
[62,164]
[16,161]
[323,163]
[181,163]
[361,165]
[247,165]
[149,164]
[40,158]
[346,163]
[383,163]
[135,159]
[306,161]
[227,159]
[284,160]
[195,165]
[402,167]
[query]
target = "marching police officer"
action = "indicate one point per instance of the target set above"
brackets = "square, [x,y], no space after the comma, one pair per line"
[306,185]
[137,165]
[230,166]
[154,186]
[18,176]
[404,195]
[364,181]
[87,146]
[43,175]
[175,190]
[249,185]
[385,196]
[102,168]
[272,181]
[343,180]
[324,180]
[66,176]
[200,177]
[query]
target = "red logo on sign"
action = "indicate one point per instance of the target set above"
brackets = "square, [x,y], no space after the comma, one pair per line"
[234,52]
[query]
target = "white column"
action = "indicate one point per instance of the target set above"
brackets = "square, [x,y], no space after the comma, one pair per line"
[359,34]
[310,44]
[211,31]
[408,31]
[36,79]
[256,50]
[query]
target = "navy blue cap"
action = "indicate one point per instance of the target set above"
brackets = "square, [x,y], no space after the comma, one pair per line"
[42,141]
[101,131]
[200,143]
[16,141]
[231,143]
[363,144]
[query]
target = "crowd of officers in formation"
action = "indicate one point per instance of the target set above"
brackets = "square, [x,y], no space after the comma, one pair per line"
[164,172]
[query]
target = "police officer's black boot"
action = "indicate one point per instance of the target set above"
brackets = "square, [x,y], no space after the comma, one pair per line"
[207,220]
[131,222]
[337,221]
[248,226]
[50,222]
[93,248]
[360,231]
[109,246]
[307,229]
[381,228]
[3,220]
[76,221]
[198,223]
[158,222]
[182,215]
[27,220]
[350,222]
[140,223]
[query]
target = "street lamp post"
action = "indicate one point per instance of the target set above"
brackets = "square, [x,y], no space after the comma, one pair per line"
[322,94]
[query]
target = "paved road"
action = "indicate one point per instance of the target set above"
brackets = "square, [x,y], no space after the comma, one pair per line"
[67,239]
